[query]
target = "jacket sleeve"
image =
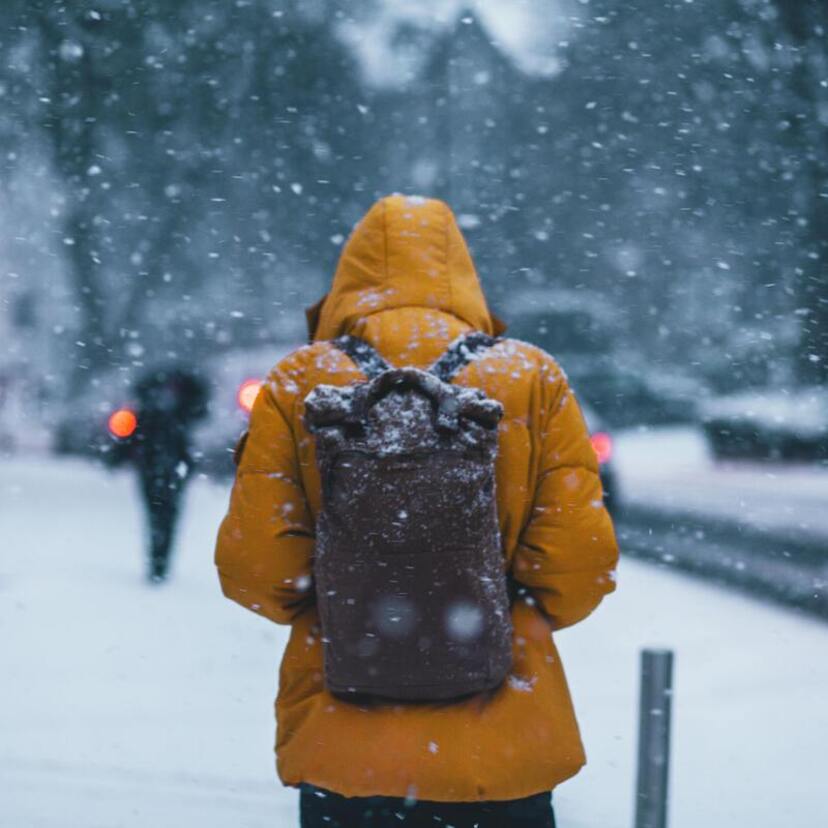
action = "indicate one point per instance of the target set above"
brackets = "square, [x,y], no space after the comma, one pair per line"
[265,542]
[567,552]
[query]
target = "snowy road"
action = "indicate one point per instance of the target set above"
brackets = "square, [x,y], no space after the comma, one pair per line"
[126,706]
[759,527]
[670,469]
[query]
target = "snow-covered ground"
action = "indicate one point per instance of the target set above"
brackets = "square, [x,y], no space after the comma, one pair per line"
[122,705]
[671,469]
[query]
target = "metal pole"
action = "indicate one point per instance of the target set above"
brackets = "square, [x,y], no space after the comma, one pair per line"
[654,738]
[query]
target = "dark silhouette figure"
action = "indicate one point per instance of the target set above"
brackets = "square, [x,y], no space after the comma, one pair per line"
[169,402]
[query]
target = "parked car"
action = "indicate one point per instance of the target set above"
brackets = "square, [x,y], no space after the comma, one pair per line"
[632,393]
[769,424]
[602,444]
[235,378]
[92,421]
[581,330]
[578,323]
[83,425]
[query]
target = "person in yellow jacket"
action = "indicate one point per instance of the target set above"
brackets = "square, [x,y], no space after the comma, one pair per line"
[406,284]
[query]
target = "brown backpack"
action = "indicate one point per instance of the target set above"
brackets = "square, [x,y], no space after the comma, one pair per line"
[409,572]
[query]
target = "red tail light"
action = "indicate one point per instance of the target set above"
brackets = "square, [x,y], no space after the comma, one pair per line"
[122,423]
[247,393]
[602,445]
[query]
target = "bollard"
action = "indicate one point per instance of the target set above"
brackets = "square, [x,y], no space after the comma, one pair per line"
[654,738]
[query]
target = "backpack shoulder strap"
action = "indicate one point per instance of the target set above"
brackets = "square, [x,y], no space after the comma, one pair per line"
[363,355]
[460,353]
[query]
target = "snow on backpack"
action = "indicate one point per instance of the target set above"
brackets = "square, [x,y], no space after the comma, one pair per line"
[409,573]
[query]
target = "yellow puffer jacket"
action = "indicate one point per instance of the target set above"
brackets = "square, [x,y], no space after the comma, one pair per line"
[406,284]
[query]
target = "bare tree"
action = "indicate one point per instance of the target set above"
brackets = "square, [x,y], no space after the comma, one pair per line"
[805,27]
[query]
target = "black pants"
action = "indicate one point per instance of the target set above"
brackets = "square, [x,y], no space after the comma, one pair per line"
[162,489]
[323,809]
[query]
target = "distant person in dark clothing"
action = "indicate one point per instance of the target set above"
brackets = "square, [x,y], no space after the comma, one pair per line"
[169,402]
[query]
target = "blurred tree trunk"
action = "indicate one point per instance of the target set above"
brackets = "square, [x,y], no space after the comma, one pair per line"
[805,23]
[74,98]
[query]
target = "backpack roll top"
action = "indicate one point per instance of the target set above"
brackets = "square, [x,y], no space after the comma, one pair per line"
[408,566]
[361,414]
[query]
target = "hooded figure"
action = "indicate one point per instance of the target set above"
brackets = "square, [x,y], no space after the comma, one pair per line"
[406,284]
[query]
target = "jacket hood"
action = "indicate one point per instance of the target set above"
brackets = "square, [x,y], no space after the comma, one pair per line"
[406,252]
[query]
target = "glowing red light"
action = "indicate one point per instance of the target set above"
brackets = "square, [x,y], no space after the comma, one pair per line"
[247,393]
[122,423]
[602,445]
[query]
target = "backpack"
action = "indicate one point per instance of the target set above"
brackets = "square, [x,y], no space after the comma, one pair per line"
[408,568]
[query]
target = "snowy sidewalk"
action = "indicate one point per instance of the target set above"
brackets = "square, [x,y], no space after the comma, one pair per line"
[123,706]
